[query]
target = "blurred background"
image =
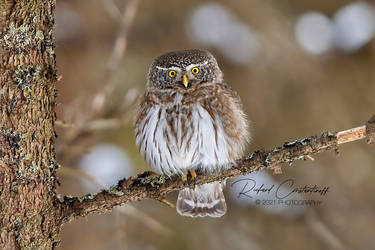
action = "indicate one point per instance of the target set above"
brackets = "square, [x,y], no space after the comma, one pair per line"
[300,67]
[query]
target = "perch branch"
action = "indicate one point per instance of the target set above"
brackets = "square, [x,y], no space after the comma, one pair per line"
[146,186]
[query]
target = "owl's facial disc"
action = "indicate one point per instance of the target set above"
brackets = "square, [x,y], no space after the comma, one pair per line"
[184,70]
[181,77]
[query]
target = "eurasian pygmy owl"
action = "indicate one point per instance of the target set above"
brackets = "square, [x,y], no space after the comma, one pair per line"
[190,119]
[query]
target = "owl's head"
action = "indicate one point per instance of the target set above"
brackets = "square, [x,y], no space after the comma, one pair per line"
[183,70]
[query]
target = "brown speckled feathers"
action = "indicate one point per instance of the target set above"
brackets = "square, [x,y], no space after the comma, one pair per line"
[190,119]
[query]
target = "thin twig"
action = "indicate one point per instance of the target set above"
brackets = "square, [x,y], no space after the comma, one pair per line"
[64,124]
[148,186]
[118,51]
[112,9]
[82,175]
[150,222]
[352,134]
[121,41]
[101,104]
[322,230]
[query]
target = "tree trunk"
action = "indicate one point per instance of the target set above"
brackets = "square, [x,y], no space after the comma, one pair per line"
[29,214]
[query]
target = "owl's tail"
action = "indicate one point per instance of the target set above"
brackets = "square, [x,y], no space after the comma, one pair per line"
[204,200]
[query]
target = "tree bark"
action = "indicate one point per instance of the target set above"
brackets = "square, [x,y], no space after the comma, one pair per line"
[29,211]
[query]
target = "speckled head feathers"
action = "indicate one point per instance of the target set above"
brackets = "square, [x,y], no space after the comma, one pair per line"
[183,58]
[182,62]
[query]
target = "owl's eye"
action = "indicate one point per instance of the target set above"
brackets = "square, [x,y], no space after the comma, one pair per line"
[172,73]
[195,70]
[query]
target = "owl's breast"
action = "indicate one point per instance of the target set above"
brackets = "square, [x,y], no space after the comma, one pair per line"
[177,137]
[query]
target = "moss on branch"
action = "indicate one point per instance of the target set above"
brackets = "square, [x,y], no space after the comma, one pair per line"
[151,186]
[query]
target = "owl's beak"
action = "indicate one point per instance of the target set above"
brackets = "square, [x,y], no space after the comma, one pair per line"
[185,80]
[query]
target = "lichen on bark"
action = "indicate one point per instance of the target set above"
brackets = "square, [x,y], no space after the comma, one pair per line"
[29,217]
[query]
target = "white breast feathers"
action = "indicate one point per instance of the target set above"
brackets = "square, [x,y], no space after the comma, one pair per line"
[173,138]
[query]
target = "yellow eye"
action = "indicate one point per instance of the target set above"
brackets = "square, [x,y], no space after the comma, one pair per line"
[195,70]
[172,73]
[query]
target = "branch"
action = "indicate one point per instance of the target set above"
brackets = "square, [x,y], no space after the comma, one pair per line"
[147,186]
[118,51]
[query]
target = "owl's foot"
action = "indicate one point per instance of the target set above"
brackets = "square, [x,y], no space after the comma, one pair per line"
[185,177]
[193,175]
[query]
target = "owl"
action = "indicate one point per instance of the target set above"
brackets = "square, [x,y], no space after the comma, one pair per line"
[189,119]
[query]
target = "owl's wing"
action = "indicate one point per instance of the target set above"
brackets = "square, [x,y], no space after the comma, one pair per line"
[144,103]
[228,106]
[231,93]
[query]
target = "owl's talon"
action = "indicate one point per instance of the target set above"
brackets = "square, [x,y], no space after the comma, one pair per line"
[185,177]
[193,176]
